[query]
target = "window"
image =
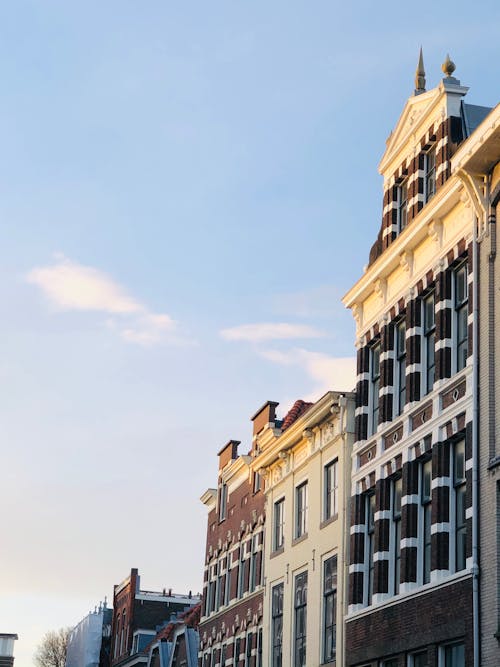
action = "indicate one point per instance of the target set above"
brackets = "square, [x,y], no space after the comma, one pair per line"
[370,534]
[454,656]
[256,482]
[331,490]
[375,385]
[389,663]
[396,524]
[459,494]
[430,175]
[418,659]
[277,625]
[300,620]
[329,609]
[222,502]
[301,510]
[259,648]
[402,210]
[243,569]
[429,361]
[400,366]
[425,501]
[227,582]
[279,524]
[461,310]
[220,584]
[253,564]
[248,649]
[223,655]
[237,650]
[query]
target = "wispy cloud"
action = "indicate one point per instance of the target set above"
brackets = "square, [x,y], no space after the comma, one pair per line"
[266,331]
[69,285]
[327,372]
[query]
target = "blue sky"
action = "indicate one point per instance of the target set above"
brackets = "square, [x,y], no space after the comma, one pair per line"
[186,191]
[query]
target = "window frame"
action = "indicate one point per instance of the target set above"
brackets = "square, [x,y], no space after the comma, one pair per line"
[329,598]
[370,509]
[223,497]
[330,491]
[443,657]
[399,366]
[458,501]
[429,173]
[301,509]
[277,592]
[460,315]
[279,524]
[396,507]
[425,531]
[402,205]
[429,343]
[300,619]
[374,407]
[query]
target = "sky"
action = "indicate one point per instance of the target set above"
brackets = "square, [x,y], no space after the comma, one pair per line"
[187,189]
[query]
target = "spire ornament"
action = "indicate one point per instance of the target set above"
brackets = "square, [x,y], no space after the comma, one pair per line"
[448,66]
[420,75]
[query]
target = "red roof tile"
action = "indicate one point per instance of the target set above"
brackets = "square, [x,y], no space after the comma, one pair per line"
[296,411]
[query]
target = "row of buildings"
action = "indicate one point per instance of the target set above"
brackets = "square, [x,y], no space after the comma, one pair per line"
[363,530]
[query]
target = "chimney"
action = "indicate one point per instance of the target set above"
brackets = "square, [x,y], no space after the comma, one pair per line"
[265,416]
[228,453]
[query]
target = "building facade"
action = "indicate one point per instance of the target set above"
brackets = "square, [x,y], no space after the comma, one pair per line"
[306,466]
[413,561]
[137,615]
[89,643]
[231,623]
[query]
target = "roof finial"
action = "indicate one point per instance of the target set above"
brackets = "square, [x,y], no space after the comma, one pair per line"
[448,66]
[420,75]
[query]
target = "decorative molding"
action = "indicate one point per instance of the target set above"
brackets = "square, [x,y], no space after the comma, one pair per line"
[435,231]
[380,288]
[406,261]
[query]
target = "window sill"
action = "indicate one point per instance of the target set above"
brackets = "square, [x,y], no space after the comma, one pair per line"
[297,540]
[325,523]
[277,552]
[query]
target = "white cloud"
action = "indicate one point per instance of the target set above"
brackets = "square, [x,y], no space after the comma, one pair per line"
[337,373]
[72,286]
[265,331]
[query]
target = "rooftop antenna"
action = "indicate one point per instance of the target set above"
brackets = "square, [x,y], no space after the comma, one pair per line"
[420,75]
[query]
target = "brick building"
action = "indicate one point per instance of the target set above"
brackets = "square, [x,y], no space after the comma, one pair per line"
[137,615]
[306,466]
[413,571]
[231,622]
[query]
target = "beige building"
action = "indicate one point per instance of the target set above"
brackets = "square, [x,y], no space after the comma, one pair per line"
[305,462]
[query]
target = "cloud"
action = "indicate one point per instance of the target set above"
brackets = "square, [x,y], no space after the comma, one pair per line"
[337,373]
[72,286]
[265,331]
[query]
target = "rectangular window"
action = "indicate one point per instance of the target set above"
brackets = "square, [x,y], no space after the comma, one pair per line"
[331,490]
[279,524]
[256,482]
[374,386]
[425,501]
[459,493]
[301,510]
[397,486]
[402,210]
[370,541]
[253,564]
[454,655]
[223,655]
[248,650]
[430,175]
[237,650]
[259,648]
[300,620]
[277,625]
[400,366]
[429,356]
[222,502]
[227,582]
[461,312]
[418,659]
[330,609]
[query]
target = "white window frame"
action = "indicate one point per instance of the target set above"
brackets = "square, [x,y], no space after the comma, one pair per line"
[223,496]
[301,509]
[402,205]
[295,607]
[421,523]
[369,569]
[429,169]
[333,493]
[442,653]
[279,526]
[428,332]
[324,594]
[396,518]
[462,486]
[457,307]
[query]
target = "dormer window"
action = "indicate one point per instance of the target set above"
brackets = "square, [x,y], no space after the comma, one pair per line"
[430,174]
[402,206]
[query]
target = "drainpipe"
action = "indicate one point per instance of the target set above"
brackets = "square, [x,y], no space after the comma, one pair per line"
[345,529]
[475,445]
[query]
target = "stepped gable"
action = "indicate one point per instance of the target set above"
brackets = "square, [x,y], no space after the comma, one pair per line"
[296,411]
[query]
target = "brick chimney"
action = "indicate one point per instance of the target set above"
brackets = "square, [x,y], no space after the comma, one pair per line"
[265,416]
[228,453]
